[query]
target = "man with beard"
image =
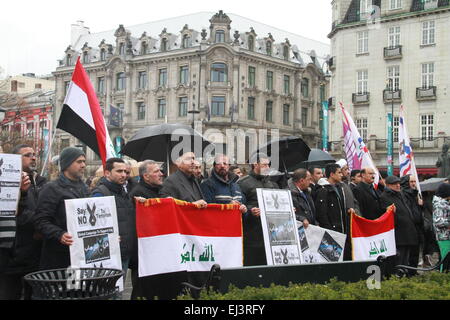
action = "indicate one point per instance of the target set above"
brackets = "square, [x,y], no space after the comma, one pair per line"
[222,186]
[25,253]
[50,217]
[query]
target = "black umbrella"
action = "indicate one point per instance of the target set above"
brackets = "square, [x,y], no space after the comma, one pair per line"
[292,151]
[164,141]
[431,184]
[318,157]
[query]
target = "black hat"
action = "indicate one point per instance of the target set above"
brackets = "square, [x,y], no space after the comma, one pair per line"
[443,190]
[68,156]
[392,180]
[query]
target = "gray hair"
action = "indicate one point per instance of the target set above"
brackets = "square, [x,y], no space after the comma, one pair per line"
[144,166]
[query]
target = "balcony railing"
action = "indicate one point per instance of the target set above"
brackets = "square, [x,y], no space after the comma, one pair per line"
[433,4]
[393,52]
[361,98]
[426,93]
[389,95]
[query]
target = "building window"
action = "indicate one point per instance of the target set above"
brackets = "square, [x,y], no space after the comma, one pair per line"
[251,108]
[269,80]
[362,81]
[428,32]
[162,78]
[365,7]
[219,72]
[305,87]
[185,41]
[122,49]
[69,60]
[220,36]
[102,55]
[251,76]
[393,74]
[141,111]
[286,52]
[395,4]
[269,48]
[101,85]
[144,47]
[85,57]
[286,112]
[251,43]
[287,85]
[142,79]
[164,45]
[394,37]
[427,127]
[182,107]
[304,117]
[161,108]
[218,106]
[395,128]
[361,125]
[322,93]
[269,111]
[427,75]
[184,75]
[121,81]
[363,42]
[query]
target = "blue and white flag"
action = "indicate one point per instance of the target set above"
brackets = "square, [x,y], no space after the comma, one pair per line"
[115,116]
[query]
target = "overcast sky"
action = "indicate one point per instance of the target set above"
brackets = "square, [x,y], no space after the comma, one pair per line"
[35,34]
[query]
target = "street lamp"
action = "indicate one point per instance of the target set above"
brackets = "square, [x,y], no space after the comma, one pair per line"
[193,111]
[390,146]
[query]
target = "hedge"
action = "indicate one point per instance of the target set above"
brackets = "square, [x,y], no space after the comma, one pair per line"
[429,286]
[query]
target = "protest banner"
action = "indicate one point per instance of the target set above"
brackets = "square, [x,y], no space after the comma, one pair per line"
[175,235]
[10,179]
[321,245]
[279,227]
[92,222]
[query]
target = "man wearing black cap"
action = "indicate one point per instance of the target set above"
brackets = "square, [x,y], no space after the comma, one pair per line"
[50,217]
[406,236]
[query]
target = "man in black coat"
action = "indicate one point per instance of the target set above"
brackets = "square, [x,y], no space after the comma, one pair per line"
[50,216]
[25,254]
[405,231]
[368,198]
[305,210]
[150,181]
[254,249]
[316,175]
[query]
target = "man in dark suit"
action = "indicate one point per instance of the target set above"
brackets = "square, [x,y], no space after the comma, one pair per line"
[305,211]
[182,184]
[368,198]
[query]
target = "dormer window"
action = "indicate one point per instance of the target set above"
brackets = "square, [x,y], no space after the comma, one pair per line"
[286,53]
[220,36]
[164,45]
[251,43]
[269,48]
[122,49]
[85,57]
[102,55]
[144,47]
[69,60]
[185,42]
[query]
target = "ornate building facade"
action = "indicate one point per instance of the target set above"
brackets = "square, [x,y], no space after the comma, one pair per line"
[224,71]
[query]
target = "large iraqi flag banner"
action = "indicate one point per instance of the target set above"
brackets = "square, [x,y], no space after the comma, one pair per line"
[175,235]
[373,238]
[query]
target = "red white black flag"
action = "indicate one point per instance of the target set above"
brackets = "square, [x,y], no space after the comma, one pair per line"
[82,117]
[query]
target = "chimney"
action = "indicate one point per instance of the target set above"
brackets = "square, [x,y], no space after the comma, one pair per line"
[77,30]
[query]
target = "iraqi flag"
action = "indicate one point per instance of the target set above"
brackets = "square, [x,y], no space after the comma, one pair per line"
[373,238]
[177,236]
[82,117]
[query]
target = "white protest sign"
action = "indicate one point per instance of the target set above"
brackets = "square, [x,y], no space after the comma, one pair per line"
[92,222]
[279,227]
[10,178]
[321,245]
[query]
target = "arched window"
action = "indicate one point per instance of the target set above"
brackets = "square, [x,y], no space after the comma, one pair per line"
[85,57]
[102,55]
[144,47]
[220,36]
[122,49]
[164,45]
[251,43]
[286,53]
[269,48]
[219,72]
[185,42]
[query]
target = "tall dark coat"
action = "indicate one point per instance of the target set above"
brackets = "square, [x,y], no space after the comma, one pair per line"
[331,213]
[254,250]
[50,219]
[369,203]
[411,196]
[405,230]
[305,208]
[179,186]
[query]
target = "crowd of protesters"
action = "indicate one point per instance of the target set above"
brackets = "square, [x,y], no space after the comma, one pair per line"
[323,196]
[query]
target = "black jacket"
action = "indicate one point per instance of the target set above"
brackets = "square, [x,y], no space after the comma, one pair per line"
[126,214]
[217,190]
[50,219]
[405,230]
[305,208]
[369,203]
[145,190]
[182,187]
[330,209]
[411,197]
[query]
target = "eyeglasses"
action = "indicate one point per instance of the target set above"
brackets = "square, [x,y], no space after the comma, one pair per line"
[29,155]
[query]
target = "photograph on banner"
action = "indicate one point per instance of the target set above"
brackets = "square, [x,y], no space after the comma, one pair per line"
[92,222]
[321,245]
[10,179]
[279,226]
